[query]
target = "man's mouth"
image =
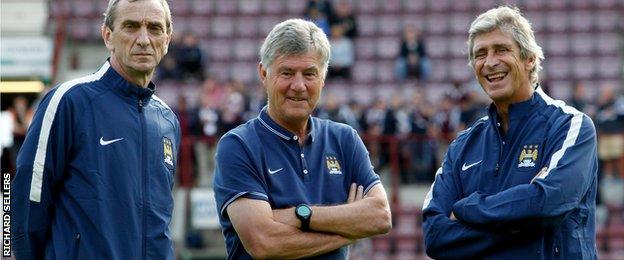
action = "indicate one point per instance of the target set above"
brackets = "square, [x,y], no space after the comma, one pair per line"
[496,76]
[297,99]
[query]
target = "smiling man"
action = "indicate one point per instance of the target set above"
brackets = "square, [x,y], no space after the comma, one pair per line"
[521,182]
[289,185]
[96,171]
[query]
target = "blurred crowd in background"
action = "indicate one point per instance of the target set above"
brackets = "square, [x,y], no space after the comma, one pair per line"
[406,129]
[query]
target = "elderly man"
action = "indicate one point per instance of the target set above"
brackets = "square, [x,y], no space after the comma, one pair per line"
[521,182]
[289,185]
[96,171]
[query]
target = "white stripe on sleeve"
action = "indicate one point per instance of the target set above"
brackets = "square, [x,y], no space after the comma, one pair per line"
[571,136]
[46,125]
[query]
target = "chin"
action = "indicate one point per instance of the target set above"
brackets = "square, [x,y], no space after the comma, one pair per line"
[145,68]
[298,115]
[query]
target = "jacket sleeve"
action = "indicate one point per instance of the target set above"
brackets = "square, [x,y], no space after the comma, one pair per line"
[550,196]
[40,165]
[446,238]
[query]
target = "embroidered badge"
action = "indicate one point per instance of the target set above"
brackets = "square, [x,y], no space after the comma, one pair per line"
[528,156]
[333,165]
[168,151]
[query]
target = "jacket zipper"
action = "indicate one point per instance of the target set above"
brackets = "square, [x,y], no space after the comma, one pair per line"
[500,148]
[77,246]
[144,179]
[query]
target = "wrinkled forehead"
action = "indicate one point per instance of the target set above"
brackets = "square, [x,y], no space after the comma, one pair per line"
[303,61]
[493,39]
[146,11]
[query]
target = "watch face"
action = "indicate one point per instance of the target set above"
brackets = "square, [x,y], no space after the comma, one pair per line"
[303,211]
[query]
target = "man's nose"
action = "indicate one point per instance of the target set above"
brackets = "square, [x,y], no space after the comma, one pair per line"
[298,83]
[491,60]
[143,38]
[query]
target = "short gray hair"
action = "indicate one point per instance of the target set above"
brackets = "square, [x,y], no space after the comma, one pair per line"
[110,14]
[292,37]
[509,20]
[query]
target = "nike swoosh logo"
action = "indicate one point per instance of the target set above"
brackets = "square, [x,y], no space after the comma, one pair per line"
[104,143]
[273,172]
[466,167]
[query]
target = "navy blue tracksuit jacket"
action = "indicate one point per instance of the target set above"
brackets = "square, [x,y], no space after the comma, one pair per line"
[96,172]
[504,208]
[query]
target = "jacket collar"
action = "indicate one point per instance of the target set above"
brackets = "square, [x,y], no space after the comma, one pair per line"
[521,109]
[120,85]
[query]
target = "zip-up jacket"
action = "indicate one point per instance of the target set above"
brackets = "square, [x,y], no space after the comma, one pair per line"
[95,175]
[506,206]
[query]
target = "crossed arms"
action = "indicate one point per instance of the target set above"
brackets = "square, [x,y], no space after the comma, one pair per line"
[274,233]
[467,226]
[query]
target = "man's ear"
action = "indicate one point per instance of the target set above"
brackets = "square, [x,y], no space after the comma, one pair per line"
[106,36]
[262,73]
[530,63]
[167,43]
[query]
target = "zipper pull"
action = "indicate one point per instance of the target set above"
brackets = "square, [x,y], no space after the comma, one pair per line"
[140,105]
[496,170]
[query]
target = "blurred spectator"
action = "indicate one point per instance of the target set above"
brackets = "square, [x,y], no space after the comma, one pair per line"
[423,145]
[315,15]
[325,8]
[374,118]
[189,125]
[470,111]
[458,92]
[233,107]
[189,57]
[351,113]
[412,60]
[448,118]
[168,69]
[397,120]
[579,99]
[343,16]
[610,126]
[6,141]
[342,54]
[21,116]
[329,109]
[447,122]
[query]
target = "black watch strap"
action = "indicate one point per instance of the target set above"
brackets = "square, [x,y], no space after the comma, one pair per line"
[304,214]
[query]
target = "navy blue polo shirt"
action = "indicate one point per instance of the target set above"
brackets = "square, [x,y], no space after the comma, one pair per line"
[262,160]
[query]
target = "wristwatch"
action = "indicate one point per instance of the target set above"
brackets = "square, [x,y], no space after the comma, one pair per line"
[304,213]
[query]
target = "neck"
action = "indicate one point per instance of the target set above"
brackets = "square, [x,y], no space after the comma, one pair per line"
[502,108]
[299,128]
[137,78]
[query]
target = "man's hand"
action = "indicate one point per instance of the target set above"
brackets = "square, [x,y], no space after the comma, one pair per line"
[356,192]
[539,174]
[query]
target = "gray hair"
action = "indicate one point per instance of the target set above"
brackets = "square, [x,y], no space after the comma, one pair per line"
[510,21]
[110,14]
[292,37]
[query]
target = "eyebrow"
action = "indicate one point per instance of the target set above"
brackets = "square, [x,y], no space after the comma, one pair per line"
[134,22]
[285,68]
[495,46]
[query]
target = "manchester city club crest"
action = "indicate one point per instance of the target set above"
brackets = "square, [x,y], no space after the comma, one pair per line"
[333,165]
[168,151]
[528,156]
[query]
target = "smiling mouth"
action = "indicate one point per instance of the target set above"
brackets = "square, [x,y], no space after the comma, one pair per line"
[297,99]
[496,76]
